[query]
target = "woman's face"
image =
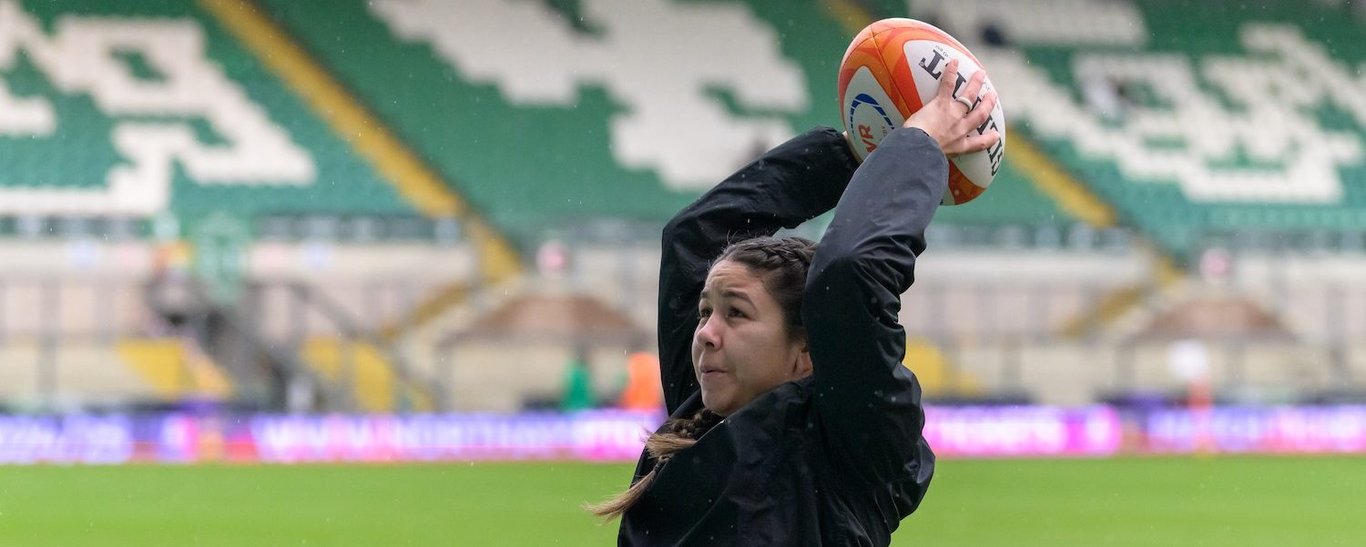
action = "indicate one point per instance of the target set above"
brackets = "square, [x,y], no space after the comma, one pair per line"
[741,348]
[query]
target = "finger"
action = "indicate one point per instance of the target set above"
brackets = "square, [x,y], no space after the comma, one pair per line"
[974,87]
[971,143]
[980,112]
[947,79]
[975,143]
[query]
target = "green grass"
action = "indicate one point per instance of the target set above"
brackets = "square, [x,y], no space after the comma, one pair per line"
[1241,501]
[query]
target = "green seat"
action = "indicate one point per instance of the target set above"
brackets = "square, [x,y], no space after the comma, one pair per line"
[81,154]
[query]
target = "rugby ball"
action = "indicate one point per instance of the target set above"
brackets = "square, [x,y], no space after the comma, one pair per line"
[890,70]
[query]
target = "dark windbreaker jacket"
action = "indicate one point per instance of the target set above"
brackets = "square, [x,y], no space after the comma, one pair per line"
[836,458]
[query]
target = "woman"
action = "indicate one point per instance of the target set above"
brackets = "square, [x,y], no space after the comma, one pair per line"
[792,419]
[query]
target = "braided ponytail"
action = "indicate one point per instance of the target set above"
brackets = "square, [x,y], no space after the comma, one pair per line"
[676,435]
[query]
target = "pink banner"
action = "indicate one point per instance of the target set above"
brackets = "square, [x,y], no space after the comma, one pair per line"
[1022,431]
[609,435]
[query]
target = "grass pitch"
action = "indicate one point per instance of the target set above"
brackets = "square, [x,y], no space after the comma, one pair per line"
[1235,501]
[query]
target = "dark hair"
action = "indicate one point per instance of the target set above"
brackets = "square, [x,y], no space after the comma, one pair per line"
[781,263]
[675,435]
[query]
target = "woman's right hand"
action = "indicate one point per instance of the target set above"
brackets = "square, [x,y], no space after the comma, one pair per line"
[951,123]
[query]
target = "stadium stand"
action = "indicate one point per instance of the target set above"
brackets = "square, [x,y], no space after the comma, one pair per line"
[139,123]
[578,113]
[1286,155]
[162,86]
[363,193]
[1208,127]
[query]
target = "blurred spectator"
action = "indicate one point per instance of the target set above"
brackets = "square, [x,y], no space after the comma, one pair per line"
[1105,96]
[993,35]
[168,291]
[578,384]
[643,389]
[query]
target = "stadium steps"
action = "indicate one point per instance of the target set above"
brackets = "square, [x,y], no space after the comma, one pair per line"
[172,370]
[374,386]
[420,338]
[435,305]
[1123,301]
[472,377]
[503,368]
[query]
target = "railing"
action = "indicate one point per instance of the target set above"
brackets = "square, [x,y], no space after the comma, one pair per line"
[352,331]
[53,328]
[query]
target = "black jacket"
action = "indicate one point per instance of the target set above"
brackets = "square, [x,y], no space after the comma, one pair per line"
[836,458]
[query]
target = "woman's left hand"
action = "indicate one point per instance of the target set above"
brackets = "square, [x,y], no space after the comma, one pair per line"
[953,122]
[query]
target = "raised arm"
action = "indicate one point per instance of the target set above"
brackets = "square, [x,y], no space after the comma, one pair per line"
[868,400]
[853,295]
[790,184]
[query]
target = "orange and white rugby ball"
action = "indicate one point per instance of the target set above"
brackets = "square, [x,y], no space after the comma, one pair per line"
[890,70]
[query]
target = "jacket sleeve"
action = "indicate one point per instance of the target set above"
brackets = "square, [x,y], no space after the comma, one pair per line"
[796,181]
[868,401]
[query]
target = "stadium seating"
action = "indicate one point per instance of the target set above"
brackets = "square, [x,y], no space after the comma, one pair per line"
[126,111]
[1193,125]
[456,77]
[1287,152]
[611,128]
